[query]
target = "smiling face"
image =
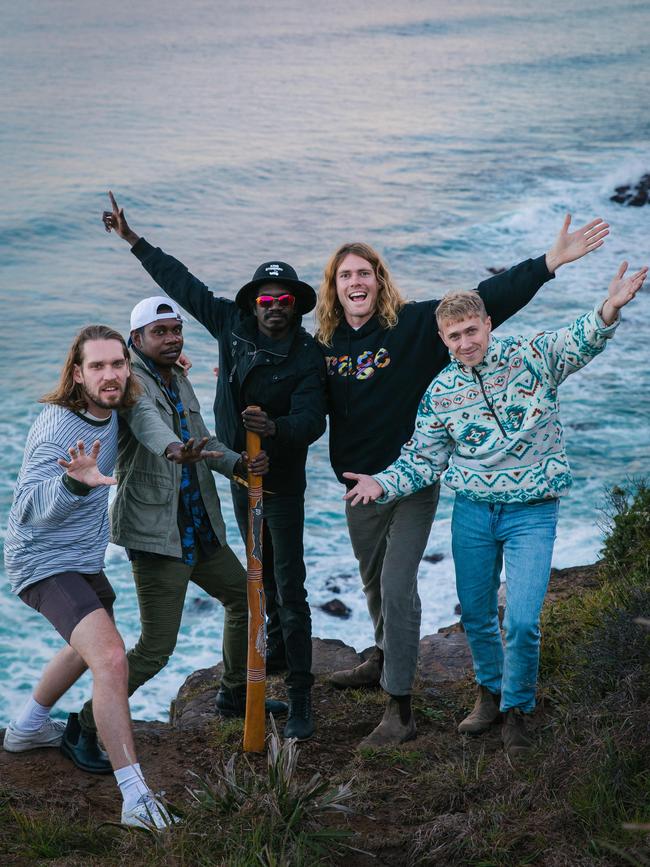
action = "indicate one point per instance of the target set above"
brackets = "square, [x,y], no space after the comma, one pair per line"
[161,341]
[356,289]
[103,375]
[277,320]
[468,339]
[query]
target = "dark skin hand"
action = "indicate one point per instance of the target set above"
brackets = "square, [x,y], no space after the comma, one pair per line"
[257,421]
[189,452]
[114,220]
[259,466]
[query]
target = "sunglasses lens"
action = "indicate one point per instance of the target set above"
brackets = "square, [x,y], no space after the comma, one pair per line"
[266,301]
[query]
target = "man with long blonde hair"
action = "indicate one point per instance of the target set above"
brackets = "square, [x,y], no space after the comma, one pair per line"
[54,556]
[490,425]
[381,354]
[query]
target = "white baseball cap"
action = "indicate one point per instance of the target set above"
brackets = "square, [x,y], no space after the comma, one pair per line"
[146,311]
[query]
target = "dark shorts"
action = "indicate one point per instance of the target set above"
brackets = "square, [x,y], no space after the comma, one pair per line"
[65,599]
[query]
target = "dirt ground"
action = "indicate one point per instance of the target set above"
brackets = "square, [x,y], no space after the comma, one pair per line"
[392,788]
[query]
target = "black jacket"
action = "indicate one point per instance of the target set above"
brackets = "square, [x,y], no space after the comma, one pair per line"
[376,376]
[286,379]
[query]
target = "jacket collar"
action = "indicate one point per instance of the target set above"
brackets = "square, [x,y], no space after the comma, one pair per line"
[142,364]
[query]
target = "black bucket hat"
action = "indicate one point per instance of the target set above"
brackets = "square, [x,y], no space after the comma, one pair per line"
[278,272]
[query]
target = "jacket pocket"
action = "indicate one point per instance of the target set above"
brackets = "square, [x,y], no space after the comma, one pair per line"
[163,404]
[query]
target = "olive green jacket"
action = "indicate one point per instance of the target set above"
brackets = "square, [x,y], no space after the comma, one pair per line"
[144,514]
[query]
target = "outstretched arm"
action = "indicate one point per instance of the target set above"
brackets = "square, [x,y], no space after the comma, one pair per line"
[171,275]
[621,291]
[507,293]
[570,246]
[569,349]
[421,462]
[44,496]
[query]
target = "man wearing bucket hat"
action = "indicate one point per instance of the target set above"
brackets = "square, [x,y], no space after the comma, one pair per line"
[167,513]
[266,360]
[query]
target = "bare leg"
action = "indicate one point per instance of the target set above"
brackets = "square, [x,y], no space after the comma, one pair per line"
[58,676]
[100,645]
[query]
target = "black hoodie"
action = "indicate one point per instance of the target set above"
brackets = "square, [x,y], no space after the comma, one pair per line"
[377,376]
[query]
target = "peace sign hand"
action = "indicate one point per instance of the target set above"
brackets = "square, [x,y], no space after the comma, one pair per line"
[82,466]
[114,220]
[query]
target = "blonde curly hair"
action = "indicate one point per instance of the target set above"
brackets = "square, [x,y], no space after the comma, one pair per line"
[329,312]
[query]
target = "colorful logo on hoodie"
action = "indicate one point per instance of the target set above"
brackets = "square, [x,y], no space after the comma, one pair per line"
[362,368]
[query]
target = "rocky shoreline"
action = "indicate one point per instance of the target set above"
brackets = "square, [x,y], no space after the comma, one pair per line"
[434,800]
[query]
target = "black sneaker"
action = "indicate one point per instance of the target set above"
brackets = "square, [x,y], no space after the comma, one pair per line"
[300,724]
[232,702]
[81,747]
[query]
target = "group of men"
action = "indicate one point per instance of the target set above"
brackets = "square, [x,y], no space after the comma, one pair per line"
[485,417]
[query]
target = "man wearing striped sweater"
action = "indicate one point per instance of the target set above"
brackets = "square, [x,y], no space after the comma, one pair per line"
[489,426]
[54,556]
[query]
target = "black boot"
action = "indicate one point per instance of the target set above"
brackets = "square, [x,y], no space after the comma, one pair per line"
[232,702]
[300,724]
[276,657]
[81,747]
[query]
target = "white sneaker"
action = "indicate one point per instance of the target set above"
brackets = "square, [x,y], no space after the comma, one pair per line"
[150,813]
[49,735]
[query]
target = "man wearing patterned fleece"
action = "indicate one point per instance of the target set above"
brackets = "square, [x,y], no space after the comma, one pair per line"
[489,425]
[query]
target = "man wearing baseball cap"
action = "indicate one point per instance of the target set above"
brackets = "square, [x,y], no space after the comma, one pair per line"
[266,360]
[167,513]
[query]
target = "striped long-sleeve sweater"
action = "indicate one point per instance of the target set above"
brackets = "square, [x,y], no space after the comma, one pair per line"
[56,524]
[496,427]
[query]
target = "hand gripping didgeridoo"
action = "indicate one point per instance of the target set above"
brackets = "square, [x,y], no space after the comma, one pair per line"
[256,678]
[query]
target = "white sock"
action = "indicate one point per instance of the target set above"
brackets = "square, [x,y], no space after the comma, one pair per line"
[132,784]
[32,716]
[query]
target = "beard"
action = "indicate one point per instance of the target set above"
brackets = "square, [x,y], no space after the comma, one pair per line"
[106,400]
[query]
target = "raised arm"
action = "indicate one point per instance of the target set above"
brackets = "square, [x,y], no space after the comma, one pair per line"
[507,293]
[569,349]
[172,276]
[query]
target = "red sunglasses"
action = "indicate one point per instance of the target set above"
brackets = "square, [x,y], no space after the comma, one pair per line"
[269,300]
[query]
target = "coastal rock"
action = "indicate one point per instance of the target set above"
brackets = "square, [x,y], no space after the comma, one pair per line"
[444,657]
[332,654]
[194,704]
[635,196]
[336,608]
[433,558]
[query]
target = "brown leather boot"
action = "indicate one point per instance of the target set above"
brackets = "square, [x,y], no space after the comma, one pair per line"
[392,730]
[516,740]
[484,713]
[366,674]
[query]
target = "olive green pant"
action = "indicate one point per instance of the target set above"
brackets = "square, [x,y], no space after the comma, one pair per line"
[161,585]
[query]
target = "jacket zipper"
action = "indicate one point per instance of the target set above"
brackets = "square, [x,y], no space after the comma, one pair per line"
[487,401]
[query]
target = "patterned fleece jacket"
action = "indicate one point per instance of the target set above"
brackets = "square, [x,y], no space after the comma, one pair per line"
[496,427]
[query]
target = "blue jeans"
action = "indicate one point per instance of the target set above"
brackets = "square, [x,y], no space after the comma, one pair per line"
[483,535]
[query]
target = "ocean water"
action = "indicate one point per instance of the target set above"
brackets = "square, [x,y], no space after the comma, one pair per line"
[453,137]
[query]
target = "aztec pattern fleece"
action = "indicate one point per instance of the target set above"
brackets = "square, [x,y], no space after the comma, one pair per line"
[497,425]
